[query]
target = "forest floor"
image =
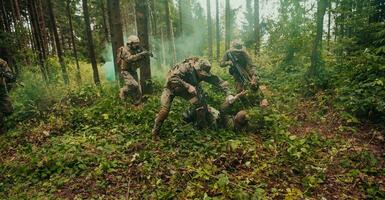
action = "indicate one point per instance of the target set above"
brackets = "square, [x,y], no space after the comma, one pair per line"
[88,144]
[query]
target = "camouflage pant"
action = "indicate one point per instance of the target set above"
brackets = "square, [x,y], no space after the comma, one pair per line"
[5,110]
[131,87]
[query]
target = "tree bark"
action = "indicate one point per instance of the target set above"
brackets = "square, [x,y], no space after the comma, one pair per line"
[257,27]
[105,25]
[36,31]
[116,31]
[180,9]
[227,25]
[74,49]
[170,39]
[57,42]
[218,30]
[210,31]
[141,13]
[317,45]
[5,17]
[42,26]
[329,22]
[90,43]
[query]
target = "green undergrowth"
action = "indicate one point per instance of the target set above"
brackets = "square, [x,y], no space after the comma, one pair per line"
[84,142]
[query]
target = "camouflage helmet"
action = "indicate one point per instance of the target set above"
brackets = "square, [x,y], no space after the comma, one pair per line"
[204,65]
[241,119]
[133,39]
[237,44]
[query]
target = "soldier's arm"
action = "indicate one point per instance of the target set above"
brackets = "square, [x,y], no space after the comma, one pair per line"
[129,58]
[225,60]
[179,81]
[218,82]
[251,68]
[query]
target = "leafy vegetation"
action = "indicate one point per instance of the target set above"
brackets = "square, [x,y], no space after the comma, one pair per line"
[86,143]
[321,137]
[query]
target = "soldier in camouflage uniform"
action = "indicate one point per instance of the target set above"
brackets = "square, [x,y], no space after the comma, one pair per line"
[248,79]
[128,59]
[223,118]
[6,76]
[244,61]
[183,81]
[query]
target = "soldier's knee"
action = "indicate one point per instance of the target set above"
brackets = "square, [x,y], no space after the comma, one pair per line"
[123,92]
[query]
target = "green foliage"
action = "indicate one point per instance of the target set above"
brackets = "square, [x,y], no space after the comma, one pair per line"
[360,84]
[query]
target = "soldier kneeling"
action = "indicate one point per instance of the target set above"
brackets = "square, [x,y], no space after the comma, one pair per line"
[183,81]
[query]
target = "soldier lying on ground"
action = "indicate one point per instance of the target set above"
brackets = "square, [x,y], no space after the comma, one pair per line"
[222,119]
[183,81]
[6,76]
[129,60]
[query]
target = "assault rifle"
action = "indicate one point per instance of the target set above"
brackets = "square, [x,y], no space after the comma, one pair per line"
[7,75]
[244,76]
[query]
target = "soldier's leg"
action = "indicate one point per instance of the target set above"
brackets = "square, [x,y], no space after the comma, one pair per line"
[166,101]
[2,124]
[131,87]
[124,90]
[6,109]
[200,109]
[6,106]
[239,86]
[135,88]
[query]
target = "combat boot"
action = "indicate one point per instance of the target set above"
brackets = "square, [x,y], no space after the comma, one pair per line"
[201,116]
[155,134]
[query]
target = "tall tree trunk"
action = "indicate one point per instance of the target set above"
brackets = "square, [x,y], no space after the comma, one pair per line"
[218,30]
[116,31]
[75,52]
[342,19]
[170,40]
[6,20]
[57,42]
[227,25]
[336,21]
[317,44]
[16,10]
[42,27]
[329,22]
[141,12]
[257,27]
[105,25]
[2,17]
[163,58]
[90,43]
[155,33]
[180,9]
[36,31]
[210,31]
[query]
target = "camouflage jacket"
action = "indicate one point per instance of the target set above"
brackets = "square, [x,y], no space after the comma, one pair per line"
[244,61]
[129,59]
[5,72]
[185,75]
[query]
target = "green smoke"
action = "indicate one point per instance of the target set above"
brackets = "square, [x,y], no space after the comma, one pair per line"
[108,66]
